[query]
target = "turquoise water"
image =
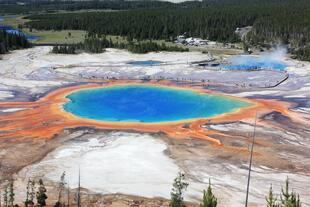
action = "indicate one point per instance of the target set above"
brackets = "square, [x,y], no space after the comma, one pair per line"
[146,103]
[144,62]
[12,30]
[254,63]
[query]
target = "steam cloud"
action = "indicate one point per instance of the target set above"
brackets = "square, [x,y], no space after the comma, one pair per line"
[267,60]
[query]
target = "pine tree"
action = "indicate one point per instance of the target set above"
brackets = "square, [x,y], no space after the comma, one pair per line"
[289,199]
[271,200]
[11,194]
[29,202]
[32,192]
[295,200]
[179,186]
[55,49]
[209,200]
[5,196]
[61,189]
[41,194]
[12,41]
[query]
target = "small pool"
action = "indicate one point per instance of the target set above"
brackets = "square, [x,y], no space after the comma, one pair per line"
[253,63]
[12,30]
[32,38]
[148,103]
[144,62]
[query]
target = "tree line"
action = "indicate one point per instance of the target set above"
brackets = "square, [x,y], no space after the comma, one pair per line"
[270,22]
[33,6]
[149,46]
[12,41]
[273,23]
[214,24]
[36,195]
[302,53]
[99,44]
[288,198]
[11,6]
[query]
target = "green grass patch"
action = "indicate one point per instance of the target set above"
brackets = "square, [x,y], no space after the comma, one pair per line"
[50,36]
[13,20]
[60,37]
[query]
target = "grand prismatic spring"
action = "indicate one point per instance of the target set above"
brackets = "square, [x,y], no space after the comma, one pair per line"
[144,103]
[76,106]
[117,103]
[175,125]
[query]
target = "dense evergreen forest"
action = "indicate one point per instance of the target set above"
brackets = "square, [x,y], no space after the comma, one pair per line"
[39,6]
[47,6]
[149,24]
[97,44]
[272,23]
[11,7]
[9,41]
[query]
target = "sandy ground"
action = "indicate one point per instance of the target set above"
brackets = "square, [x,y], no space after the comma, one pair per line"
[111,163]
[147,163]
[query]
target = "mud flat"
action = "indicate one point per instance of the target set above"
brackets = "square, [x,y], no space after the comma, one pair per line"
[282,145]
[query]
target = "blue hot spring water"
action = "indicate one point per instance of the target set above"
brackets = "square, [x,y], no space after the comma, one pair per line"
[144,63]
[146,103]
[10,29]
[254,63]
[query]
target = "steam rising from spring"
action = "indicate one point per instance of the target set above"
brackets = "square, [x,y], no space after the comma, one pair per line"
[268,60]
